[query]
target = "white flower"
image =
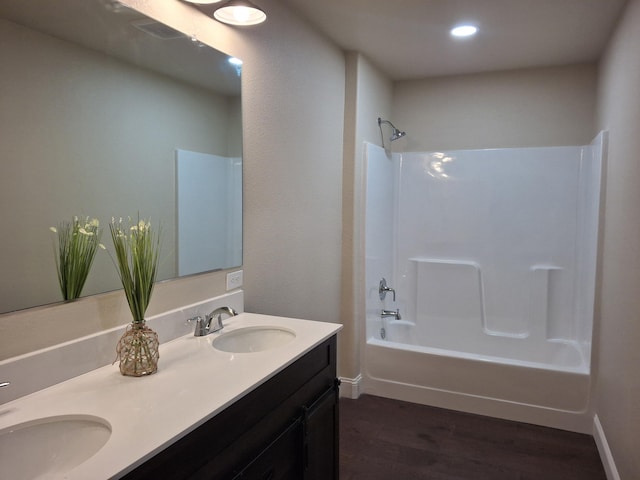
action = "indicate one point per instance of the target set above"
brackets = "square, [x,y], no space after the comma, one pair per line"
[53,229]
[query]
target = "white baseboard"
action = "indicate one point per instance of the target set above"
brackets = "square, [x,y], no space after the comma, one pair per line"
[604,450]
[350,387]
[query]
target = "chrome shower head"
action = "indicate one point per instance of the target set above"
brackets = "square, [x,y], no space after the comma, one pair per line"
[395,133]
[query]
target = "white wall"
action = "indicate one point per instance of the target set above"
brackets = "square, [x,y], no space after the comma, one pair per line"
[521,108]
[618,381]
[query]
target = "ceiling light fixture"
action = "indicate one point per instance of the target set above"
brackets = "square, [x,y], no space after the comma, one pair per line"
[240,12]
[464,30]
[203,2]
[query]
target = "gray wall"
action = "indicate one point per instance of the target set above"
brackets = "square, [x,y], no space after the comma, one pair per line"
[293,106]
[618,338]
[368,96]
[521,108]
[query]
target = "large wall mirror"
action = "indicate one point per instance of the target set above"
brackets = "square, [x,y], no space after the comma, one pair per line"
[105,113]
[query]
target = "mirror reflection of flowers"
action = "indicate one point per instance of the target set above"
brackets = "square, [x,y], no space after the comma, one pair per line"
[137,248]
[77,243]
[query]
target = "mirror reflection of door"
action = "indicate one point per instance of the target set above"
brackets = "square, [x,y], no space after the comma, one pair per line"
[209,209]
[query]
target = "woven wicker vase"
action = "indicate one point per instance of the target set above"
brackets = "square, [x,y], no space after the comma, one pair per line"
[137,350]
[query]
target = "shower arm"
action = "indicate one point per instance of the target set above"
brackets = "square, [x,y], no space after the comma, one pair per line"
[395,133]
[380,122]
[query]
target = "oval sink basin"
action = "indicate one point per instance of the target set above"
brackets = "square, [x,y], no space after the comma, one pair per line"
[253,339]
[49,447]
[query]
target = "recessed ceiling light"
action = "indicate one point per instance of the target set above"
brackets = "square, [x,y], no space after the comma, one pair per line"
[464,30]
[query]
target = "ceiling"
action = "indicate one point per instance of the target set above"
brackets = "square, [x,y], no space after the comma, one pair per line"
[410,39]
[111,28]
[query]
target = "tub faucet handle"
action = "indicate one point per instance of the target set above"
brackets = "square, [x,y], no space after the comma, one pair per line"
[391,313]
[383,289]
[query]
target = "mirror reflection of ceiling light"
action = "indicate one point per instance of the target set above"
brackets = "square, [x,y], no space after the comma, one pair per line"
[236,62]
[240,13]
[464,30]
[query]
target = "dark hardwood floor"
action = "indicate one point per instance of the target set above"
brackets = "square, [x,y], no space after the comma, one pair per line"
[383,439]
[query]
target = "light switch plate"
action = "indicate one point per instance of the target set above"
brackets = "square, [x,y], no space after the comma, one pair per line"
[234,280]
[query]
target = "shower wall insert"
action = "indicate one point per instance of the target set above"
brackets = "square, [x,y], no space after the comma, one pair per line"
[492,256]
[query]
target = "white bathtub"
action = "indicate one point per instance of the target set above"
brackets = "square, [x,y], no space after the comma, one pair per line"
[553,393]
[531,350]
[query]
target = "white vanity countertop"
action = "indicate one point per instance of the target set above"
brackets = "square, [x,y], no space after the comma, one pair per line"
[194,382]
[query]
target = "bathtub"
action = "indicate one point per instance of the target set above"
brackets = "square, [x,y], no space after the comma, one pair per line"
[446,338]
[554,392]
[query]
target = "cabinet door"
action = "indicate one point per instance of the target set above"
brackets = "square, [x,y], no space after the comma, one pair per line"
[281,460]
[321,437]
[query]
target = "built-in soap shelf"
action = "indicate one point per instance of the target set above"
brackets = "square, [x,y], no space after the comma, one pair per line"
[40,369]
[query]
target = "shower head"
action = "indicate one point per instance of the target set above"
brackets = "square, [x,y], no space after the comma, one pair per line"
[395,133]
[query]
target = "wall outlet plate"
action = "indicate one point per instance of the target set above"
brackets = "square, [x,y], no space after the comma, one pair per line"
[234,280]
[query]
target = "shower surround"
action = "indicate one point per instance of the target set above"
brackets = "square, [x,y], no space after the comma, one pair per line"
[492,254]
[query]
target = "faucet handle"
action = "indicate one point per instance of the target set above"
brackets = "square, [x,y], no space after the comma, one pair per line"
[383,289]
[201,329]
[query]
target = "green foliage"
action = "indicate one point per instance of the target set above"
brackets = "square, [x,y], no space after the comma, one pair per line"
[77,242]
[137,248]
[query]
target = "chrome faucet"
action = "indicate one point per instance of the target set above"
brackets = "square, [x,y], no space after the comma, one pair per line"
[391,313]
[203,325]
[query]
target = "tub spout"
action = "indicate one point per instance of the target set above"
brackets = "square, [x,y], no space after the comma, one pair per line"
[391,313]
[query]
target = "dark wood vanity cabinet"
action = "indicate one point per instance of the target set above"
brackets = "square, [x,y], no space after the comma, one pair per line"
[285,429]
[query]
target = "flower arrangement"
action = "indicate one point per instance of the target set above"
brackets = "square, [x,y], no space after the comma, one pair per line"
[137,249]
[77,243]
